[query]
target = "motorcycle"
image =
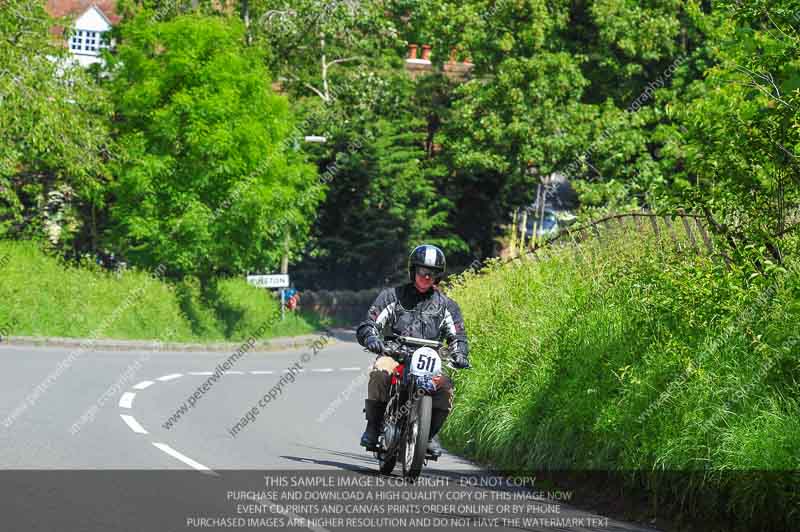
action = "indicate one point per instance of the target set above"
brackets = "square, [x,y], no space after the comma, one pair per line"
[407,420]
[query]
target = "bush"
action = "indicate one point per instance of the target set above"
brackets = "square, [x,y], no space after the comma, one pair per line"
[244,308]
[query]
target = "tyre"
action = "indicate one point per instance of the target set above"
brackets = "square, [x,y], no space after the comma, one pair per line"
[416,438]
[388,458]
[386,463]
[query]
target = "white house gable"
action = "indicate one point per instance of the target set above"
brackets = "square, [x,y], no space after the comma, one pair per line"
[87,38]
[93,20]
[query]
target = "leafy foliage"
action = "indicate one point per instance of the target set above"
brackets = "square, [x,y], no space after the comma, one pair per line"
[54,139]
[665,104]
[207,184]
[383,200]
[313,43]
[736,138]
[521,125]
[560,87]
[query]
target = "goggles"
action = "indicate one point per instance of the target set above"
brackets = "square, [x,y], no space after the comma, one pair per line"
[428,273]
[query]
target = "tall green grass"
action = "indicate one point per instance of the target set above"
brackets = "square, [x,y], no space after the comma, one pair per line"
[627,356]
[42,296]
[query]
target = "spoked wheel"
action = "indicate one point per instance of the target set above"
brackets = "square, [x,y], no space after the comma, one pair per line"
[415,443]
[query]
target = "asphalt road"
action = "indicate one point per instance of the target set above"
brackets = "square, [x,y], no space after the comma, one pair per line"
[92,442]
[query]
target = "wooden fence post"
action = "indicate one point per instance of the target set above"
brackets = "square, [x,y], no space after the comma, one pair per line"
[690,234]
[672,236]
[596,231]
[705,237]
[654,223]
[512,248]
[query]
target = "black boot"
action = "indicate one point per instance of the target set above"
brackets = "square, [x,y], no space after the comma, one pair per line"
[374,411]
[437,420]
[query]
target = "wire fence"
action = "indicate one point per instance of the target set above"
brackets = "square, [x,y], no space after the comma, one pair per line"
[680,231]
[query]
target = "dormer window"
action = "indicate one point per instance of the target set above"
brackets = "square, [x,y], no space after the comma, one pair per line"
[86,41]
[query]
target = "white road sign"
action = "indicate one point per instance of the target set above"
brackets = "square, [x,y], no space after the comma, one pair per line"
[280,280]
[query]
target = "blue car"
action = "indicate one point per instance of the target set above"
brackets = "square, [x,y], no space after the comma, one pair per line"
[545,226]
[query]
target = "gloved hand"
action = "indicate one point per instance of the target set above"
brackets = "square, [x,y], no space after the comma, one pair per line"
[375,345]
[460,361]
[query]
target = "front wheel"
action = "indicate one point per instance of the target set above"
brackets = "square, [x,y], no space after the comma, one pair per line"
[386,463]
[416,438]
[387,458]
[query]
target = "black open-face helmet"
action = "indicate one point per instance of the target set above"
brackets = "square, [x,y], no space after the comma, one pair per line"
[428,256]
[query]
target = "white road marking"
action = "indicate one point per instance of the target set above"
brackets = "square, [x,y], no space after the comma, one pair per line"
[126,401]
[133,424]
[170,377]
[349,369]
[185,459]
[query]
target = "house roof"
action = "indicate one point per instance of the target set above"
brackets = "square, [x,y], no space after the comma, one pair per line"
[62,8]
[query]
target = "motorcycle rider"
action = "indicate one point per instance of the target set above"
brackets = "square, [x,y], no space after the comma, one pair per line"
[419,310]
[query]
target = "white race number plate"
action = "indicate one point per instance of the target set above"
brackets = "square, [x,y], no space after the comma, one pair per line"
[426,361]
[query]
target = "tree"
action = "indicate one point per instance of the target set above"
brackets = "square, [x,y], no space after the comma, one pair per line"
[385,197]
[563,87]
[519,118]
[735,143]
[209,182]
[54,139]
[311,40]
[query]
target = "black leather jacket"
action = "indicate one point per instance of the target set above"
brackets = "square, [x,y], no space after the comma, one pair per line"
[404,311]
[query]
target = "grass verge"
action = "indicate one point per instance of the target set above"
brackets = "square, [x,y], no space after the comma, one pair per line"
[43,296]
[659,367]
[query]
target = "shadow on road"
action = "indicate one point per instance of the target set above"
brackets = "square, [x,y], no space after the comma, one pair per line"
[339,465]
[361,457]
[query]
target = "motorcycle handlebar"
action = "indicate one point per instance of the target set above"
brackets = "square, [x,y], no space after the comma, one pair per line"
[410,340]
[402,353]
[394,351]
[401,346]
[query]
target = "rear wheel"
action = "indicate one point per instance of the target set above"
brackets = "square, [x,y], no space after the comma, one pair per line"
[415,442]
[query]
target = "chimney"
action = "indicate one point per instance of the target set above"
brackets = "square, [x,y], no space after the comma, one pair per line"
[426,52]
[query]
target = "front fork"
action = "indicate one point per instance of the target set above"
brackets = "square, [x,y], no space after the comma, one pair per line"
[397,416]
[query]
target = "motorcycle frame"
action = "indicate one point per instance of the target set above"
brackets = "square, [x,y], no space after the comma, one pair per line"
[403,391]
[400,390]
